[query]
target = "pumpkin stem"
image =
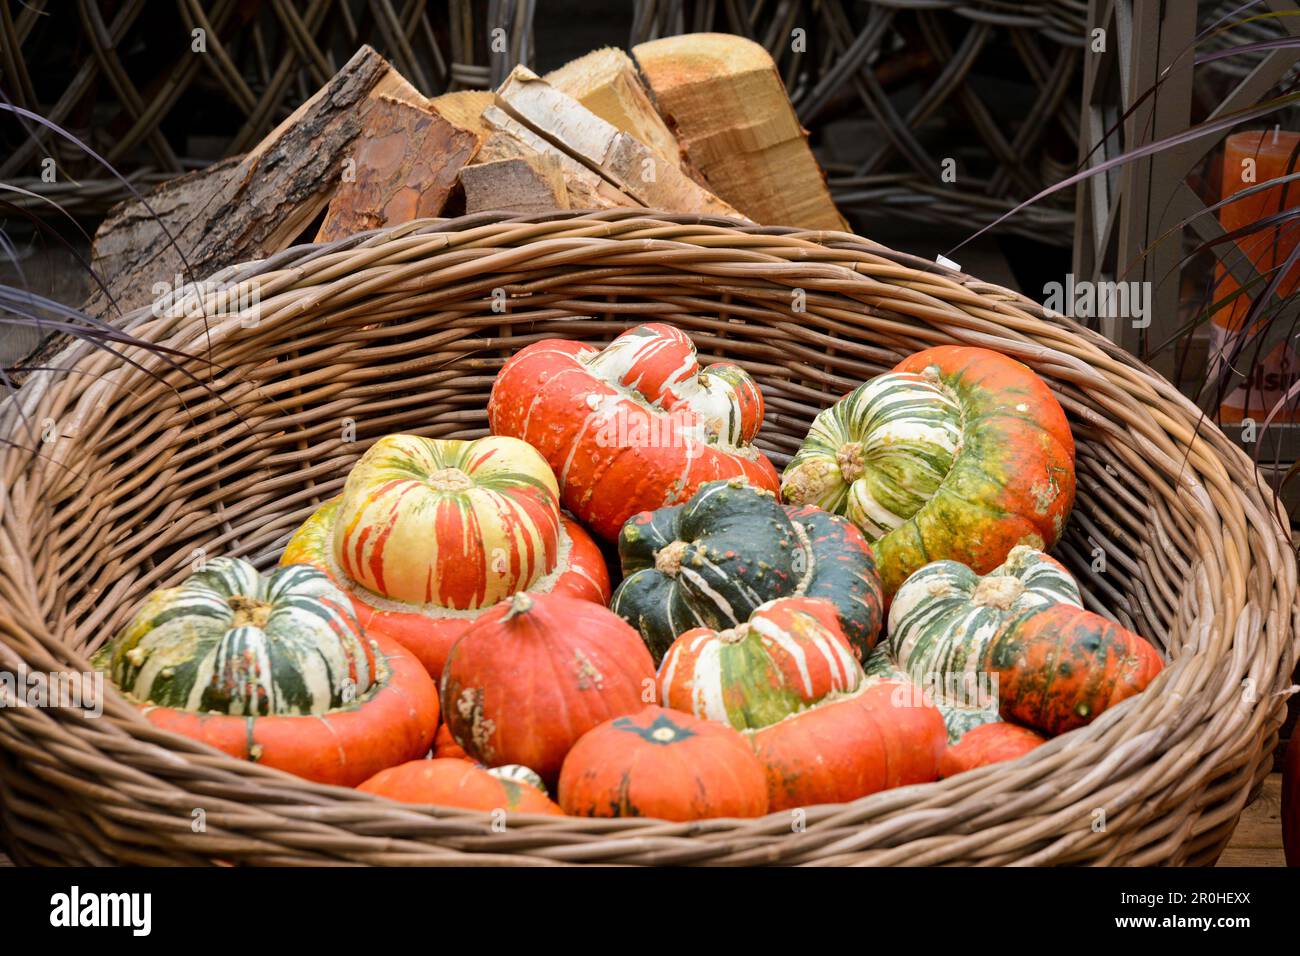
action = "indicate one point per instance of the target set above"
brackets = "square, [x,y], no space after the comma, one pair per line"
[248,611]
[450,479]
[668,559]
[851,460]
[999,591]
[734,635]
[520,603]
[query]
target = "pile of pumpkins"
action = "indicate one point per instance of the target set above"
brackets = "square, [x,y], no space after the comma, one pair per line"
[445,632]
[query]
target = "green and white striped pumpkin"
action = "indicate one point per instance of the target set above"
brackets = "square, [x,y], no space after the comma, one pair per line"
[945,615]
[229,640]
[518,773]
[880,453]
[712,561]
[959,453]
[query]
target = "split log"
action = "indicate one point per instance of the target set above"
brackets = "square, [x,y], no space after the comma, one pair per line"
[605,81]
[586,189]
[725,100]
[618,157]
[246,208]
[405,164]
[465,109]
[522,185]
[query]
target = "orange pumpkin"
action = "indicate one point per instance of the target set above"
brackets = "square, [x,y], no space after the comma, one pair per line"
[444,745]
[959,453]
[458,783]
[538,671]
[665,764]
[393,724]
[885,735]
[429,534]
[632,427]
[1059,666]
[988,744]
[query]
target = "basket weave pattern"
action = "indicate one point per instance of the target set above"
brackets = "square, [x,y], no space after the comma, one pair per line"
[395,331]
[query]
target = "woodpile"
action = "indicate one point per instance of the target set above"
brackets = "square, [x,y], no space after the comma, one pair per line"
[690,124]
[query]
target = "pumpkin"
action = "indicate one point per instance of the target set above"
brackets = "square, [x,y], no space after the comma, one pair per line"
[1058,667]
[959,453]
[274,669]
[444,744]
[988,744]
[634,426]
[885,735]
[458,783]
[428,534]
[535,673]
[665,764]
[787,657]
[944,616]
[712,561]
[960,715]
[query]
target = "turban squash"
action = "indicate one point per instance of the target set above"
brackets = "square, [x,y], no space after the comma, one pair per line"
[788,656]
[988,744]
[459,783]
[428,534]
[1057,665]
[958,453]
[634,426]
[276,670]
[662,763]
[535,673]
[822,731]
[712,561]
[884,735]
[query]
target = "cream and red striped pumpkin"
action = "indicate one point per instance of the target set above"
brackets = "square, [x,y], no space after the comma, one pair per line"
[788,656]
[455,524]
[428,534]
[634,426]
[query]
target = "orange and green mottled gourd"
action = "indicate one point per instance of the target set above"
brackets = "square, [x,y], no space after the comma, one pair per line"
[459,783]
[1059,666]
[664,764]
[959,453]
[428,534]
[788,656]
[535,673]
[988,744]
[274,669]
[632,427]
[883,736]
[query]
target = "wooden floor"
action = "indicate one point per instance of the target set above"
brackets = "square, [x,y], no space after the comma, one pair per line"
[1258,838]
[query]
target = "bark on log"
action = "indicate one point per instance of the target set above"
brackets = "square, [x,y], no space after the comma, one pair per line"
[405,164]
[242,209]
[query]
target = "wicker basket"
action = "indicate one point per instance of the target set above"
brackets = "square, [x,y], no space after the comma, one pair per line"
[396,331]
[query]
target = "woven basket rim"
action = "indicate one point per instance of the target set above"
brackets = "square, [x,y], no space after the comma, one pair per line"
[1182,739]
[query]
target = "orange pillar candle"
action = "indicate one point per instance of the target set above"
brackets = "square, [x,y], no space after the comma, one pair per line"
[1249,159]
